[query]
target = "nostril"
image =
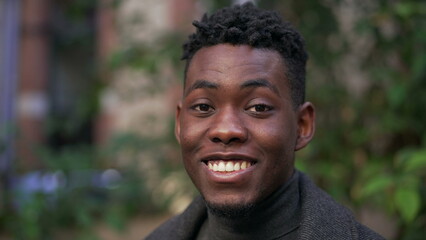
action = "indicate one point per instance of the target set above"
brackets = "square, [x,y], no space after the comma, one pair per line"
[225,141]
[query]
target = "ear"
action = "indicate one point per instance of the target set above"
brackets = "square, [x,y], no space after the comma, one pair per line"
[306,125]
[177,121]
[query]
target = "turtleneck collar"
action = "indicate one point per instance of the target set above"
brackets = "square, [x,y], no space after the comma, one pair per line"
[275,217]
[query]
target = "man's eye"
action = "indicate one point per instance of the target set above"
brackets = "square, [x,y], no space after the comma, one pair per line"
[259,108]
[202,107]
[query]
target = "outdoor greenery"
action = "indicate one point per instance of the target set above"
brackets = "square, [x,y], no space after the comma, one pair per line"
[83,199]
[369,149]
[366,77]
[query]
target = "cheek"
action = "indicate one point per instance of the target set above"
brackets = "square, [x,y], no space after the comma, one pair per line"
[278,150]
[276,134]
[190,141]
[277,140]
[190,136]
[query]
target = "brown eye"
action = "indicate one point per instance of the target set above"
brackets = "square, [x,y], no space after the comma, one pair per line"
[260,108]
[202,107]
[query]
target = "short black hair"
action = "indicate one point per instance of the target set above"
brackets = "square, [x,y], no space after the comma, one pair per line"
[248,25]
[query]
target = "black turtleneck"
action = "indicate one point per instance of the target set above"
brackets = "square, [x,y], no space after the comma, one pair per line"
[277,217]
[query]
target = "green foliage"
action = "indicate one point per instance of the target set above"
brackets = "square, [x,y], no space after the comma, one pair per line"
[78,205]
[369,146]
[400,190]
[407,201]
[150,59]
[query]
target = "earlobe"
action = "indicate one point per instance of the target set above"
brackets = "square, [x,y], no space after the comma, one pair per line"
[306,125]
[177,122]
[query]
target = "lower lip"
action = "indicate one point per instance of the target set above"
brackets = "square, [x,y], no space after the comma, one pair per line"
[235,177]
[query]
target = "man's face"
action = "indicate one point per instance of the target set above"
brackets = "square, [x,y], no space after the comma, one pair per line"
[237,126]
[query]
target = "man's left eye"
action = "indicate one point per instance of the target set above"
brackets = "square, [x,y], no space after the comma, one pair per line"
[202,108]
[259,108]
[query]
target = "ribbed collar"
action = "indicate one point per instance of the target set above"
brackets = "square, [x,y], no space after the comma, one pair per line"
[275,217]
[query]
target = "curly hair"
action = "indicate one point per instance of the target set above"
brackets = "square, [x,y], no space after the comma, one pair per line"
[248,25]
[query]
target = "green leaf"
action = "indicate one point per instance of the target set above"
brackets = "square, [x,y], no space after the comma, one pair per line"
[404,9]
[397,94]
[407,201]
[419,64]
[416,161]
[301,166]
[116,218]
[377,184]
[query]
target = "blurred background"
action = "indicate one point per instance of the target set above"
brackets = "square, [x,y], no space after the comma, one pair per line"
[88,90]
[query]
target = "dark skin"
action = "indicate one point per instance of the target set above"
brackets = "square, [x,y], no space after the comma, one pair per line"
[237,113]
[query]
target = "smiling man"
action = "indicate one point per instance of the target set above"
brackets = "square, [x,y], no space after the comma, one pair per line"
[242,117]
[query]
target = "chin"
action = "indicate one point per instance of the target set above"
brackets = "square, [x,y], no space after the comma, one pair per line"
[230,208]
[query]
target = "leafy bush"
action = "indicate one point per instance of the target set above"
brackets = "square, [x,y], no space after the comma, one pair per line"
[75,192]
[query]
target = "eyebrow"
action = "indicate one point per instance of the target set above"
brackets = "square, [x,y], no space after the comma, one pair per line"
[201,84]
[254,83]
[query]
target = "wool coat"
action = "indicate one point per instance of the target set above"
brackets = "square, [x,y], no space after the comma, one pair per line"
[320,218]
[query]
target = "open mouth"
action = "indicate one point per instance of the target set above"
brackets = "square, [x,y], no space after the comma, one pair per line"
[229,165]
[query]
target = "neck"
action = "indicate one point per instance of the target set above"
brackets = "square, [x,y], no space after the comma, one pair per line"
[274,217]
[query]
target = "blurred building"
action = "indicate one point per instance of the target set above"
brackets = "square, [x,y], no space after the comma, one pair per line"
[9,37]
[51,57]
[54,55]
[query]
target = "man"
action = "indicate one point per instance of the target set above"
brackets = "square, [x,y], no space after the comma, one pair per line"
[240,121]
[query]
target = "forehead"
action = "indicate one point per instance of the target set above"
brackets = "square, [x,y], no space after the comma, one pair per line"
[229,60]
[227,67]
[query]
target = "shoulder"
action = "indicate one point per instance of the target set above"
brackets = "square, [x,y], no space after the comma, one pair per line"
[324,218]
[184,225]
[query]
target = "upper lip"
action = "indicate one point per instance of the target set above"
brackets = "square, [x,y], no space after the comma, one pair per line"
[227,156]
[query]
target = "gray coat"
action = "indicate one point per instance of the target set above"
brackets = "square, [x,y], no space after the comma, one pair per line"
[321,218]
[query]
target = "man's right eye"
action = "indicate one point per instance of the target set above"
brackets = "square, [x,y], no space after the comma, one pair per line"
[202,108]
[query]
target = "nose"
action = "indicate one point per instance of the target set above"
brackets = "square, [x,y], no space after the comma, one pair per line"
[228,128]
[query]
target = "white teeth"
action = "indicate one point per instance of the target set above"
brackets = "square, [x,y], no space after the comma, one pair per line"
[237,166]
[244,165]
[221,167]
[215,167]
[228,166]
